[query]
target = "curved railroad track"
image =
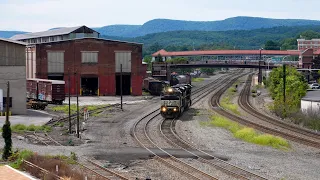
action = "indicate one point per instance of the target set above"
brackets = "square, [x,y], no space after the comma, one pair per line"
[167,129]
[140,133]
[284,129]
[90,165]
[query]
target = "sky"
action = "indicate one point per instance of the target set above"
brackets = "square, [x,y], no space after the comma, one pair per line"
[41,15]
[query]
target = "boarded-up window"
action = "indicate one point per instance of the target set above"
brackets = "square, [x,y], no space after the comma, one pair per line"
[89,57]
[55,62]
[123,58]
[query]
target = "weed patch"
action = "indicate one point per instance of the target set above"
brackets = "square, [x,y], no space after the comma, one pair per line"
[18,156]
[226,104]
[73,108]
[20,128]
[248,134]
[197,79]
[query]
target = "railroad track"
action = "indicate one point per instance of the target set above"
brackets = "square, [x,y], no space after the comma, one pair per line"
[284,129]
[167,129]
[140,133]
[91,165]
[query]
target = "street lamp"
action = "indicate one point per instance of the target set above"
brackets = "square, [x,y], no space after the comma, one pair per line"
[270,59]
[260,53]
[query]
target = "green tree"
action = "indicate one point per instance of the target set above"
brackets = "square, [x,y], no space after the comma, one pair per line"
[296,88]
[148,59]
[271,45]
[309,34]
[6,134]
[208,71]
[178,60]
[159,58]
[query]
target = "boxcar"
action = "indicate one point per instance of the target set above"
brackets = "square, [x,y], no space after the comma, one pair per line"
[51,91]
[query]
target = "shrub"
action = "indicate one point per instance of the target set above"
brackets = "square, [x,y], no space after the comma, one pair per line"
[254,95]
[254,91]
[18,156]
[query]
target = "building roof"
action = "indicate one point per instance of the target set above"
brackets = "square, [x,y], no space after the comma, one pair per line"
[312,96]
[52,32]
[101,39]
[162,52]
[13,41]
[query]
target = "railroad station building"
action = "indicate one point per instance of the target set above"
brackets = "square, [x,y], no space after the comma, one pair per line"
[92,63]
[13,69]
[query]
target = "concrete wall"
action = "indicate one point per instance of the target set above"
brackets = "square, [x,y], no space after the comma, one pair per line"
[17,78]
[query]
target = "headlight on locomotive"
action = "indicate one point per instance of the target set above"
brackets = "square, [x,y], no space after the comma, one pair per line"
[163,109]
[175,109]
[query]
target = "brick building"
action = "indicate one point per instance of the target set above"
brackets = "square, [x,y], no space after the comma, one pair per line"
[93,63]
[304,44]
[12,69]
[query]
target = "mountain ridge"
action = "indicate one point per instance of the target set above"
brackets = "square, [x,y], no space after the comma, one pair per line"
[167,25]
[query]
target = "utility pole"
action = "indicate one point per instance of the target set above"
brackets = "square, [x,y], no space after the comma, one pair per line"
[70,131]
[121,84]
[284,88]
[78,126]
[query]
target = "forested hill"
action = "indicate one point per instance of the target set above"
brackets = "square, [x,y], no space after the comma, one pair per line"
[165,25]
[285,37]
[8,34]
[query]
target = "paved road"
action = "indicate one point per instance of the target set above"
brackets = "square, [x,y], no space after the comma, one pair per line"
[33,117]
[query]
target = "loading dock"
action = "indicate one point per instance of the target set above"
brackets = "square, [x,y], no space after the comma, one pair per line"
[126,84]
[89,86]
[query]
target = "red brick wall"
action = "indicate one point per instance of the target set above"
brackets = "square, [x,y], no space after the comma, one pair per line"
[105,69]
[306,58]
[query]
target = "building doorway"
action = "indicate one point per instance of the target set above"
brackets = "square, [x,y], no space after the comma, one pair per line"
[56,77]
[89,86]
[126,84]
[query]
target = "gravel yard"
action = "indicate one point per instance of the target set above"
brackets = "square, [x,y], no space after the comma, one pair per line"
[300,162]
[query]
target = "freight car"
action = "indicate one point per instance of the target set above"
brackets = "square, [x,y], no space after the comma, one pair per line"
[44,90]
[153,86]
[179,79]
[175,100]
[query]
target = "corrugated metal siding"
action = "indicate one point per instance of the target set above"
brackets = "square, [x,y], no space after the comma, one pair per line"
[12,54]
[123,58]
[55,62]
[89,57]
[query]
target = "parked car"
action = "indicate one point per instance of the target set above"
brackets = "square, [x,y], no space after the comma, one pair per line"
[314,86]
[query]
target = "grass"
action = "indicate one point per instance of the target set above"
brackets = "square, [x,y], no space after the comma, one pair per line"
[18,156]
[197,79]
[59,124]
[226,104]
[226,101]
[73,108]
[20,128]
[248,134]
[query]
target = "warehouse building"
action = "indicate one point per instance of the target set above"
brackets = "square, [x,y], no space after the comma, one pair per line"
[13,69]
[93,63]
